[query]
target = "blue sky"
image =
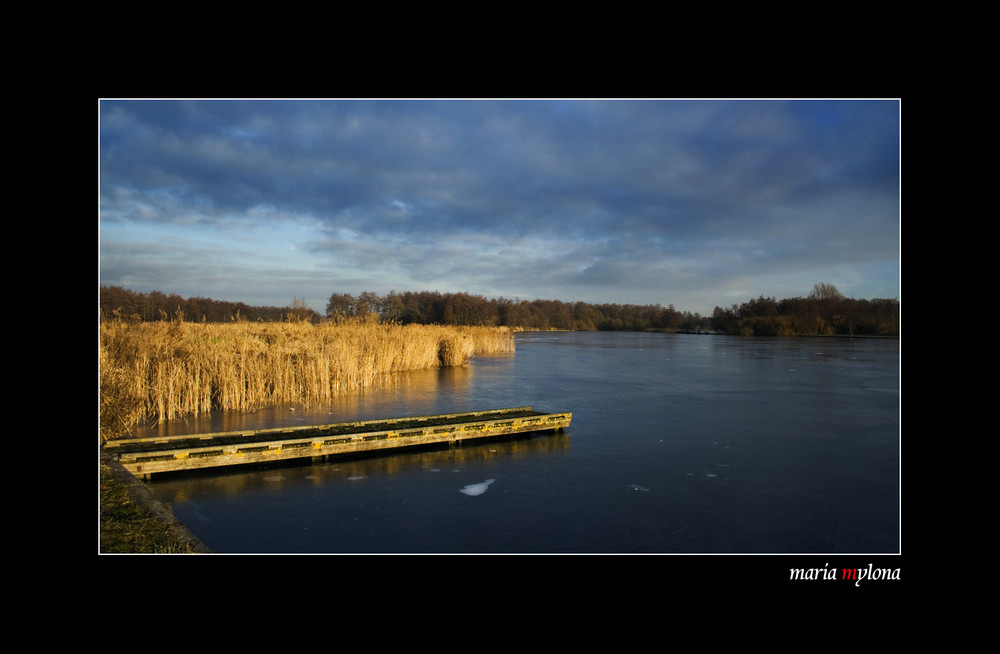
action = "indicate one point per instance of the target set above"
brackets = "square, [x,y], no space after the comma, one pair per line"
[695,203]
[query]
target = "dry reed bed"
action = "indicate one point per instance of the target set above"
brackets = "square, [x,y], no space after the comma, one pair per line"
[166,370]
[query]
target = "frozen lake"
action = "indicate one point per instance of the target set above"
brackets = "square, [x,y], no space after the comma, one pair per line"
[679,444]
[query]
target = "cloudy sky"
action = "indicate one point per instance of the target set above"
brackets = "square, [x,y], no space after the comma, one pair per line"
[695,203]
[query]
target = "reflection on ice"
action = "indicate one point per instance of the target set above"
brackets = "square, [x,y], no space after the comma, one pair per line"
[477,489]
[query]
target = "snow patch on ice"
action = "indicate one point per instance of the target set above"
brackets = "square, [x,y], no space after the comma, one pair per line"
[477,489]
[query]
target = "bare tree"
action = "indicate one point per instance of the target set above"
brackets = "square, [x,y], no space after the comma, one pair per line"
[825,292]
[341,305]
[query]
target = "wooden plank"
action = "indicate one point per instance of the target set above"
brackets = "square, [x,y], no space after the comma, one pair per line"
[256,434]
[145,457]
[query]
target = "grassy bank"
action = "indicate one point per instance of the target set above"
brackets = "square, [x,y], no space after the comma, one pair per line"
[133,523]
[166,370]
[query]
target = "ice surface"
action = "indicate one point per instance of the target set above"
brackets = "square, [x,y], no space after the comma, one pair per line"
[477,489]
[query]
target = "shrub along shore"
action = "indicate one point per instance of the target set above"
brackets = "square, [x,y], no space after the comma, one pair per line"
[169,369]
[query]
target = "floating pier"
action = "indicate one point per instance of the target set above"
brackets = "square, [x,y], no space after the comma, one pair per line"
[147,456]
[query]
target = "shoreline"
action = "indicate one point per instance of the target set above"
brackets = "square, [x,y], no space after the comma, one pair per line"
[174,536]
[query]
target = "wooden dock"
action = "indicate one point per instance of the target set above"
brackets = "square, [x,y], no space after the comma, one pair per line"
[147,456]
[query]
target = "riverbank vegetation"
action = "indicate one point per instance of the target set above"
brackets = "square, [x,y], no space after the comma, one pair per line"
[171,368]
[129,526]
[823,312]
[162,357]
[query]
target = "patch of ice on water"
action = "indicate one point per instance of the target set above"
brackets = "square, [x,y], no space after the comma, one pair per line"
[711,474]
[637,487]
[356,478]
[477,489]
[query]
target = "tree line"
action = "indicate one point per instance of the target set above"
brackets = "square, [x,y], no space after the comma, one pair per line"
[428,307]
[124,304]
[825,311]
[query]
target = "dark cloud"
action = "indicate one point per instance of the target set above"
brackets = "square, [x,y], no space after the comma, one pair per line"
[535,198]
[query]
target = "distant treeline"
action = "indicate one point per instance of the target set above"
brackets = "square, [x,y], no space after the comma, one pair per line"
[427,307]
[150,307]
[825,311]
[809,316]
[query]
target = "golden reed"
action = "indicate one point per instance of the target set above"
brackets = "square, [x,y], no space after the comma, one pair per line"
[166,370]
